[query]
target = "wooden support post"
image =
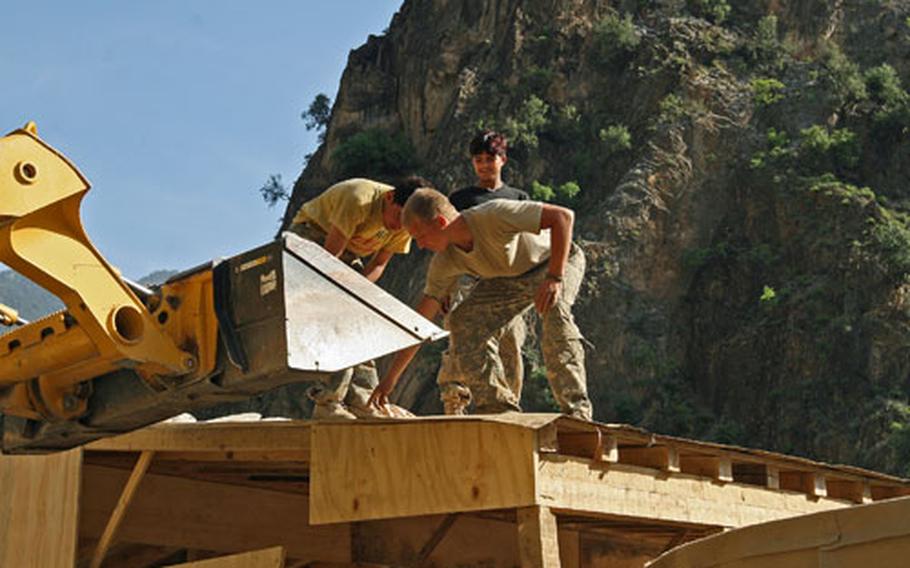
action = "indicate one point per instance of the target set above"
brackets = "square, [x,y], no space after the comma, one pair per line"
[107,537]
[538,544]
[772,475]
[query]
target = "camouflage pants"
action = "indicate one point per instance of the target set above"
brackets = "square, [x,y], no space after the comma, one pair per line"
[473,369]
[354,385]
[511,338]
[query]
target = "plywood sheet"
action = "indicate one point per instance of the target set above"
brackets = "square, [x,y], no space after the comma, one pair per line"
[268,558]
[39,499]
[377,470]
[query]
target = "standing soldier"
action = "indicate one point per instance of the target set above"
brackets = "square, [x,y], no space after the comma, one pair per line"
[488,156]
[354,219]
[522,251]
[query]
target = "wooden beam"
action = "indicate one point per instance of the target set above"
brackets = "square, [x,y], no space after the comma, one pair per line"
[538,538]
[754,473]
[217,437]
[387,470]
[437,536]
[580,487]
[855,490]
[39,506]
[812,483]
[126,497]
[268,558]
[594,445]
[202,515]
[664,458]
[714,467]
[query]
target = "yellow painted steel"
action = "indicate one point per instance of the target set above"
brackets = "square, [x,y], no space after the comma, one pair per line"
[105,326]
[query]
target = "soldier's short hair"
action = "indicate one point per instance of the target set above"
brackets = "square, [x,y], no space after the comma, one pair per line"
[425,204]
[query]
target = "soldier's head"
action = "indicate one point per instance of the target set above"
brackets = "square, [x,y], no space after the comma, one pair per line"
[395,200]
[426,215]
[488,156]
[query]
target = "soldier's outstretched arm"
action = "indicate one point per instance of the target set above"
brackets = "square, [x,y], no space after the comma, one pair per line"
[429,308]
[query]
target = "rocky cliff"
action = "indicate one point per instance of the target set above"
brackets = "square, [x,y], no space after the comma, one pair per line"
[740,176]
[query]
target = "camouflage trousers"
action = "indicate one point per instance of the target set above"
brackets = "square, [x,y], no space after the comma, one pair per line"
[511,337]
[352,386]
[473,369]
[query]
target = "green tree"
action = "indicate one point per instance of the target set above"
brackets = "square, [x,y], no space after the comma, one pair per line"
[273,190]
[375,153]
[317,116]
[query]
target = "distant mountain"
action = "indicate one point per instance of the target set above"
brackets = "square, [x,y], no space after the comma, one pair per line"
[33,302]
[29,299]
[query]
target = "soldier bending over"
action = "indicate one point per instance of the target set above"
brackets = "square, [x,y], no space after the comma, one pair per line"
[523,254]
[354,219]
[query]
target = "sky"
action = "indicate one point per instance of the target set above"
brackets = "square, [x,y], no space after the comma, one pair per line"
[177,111]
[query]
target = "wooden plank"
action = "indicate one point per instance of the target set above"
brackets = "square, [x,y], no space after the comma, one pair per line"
[580,487]
[271,456]
[126,497]
[812,483]
[194,514]
[760,474]
[217,437]
[379,470]
[664,458]
[39,500]
[714,467]
[880,492]
[871,535]
[538,538]
[440,533]
[855,490]
[267,558]
[593,445]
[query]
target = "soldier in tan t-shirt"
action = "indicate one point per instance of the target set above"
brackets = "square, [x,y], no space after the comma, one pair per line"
[523,254]
[354,219]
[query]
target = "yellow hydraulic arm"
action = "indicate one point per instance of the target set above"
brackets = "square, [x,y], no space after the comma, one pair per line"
[105,326]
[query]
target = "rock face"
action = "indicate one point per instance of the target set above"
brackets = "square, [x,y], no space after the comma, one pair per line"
[740,177]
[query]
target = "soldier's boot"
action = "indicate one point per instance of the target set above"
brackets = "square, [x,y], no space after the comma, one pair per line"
[326,405]
[332,410]
[388,411]
[455,399]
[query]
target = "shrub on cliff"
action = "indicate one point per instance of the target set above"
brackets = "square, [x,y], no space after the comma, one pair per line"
[374,153]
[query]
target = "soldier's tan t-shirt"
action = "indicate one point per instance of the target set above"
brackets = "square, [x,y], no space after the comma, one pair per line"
[355,207]
[507,242]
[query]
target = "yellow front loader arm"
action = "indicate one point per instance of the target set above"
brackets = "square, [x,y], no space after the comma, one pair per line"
[106,326]
[119,357]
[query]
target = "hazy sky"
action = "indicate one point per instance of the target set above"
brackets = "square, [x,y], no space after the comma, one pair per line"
[177,110]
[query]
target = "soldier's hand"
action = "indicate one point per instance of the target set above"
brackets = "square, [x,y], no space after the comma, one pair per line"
[547,294]
[380,395]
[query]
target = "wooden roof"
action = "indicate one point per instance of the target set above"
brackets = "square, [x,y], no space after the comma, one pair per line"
[364,470]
